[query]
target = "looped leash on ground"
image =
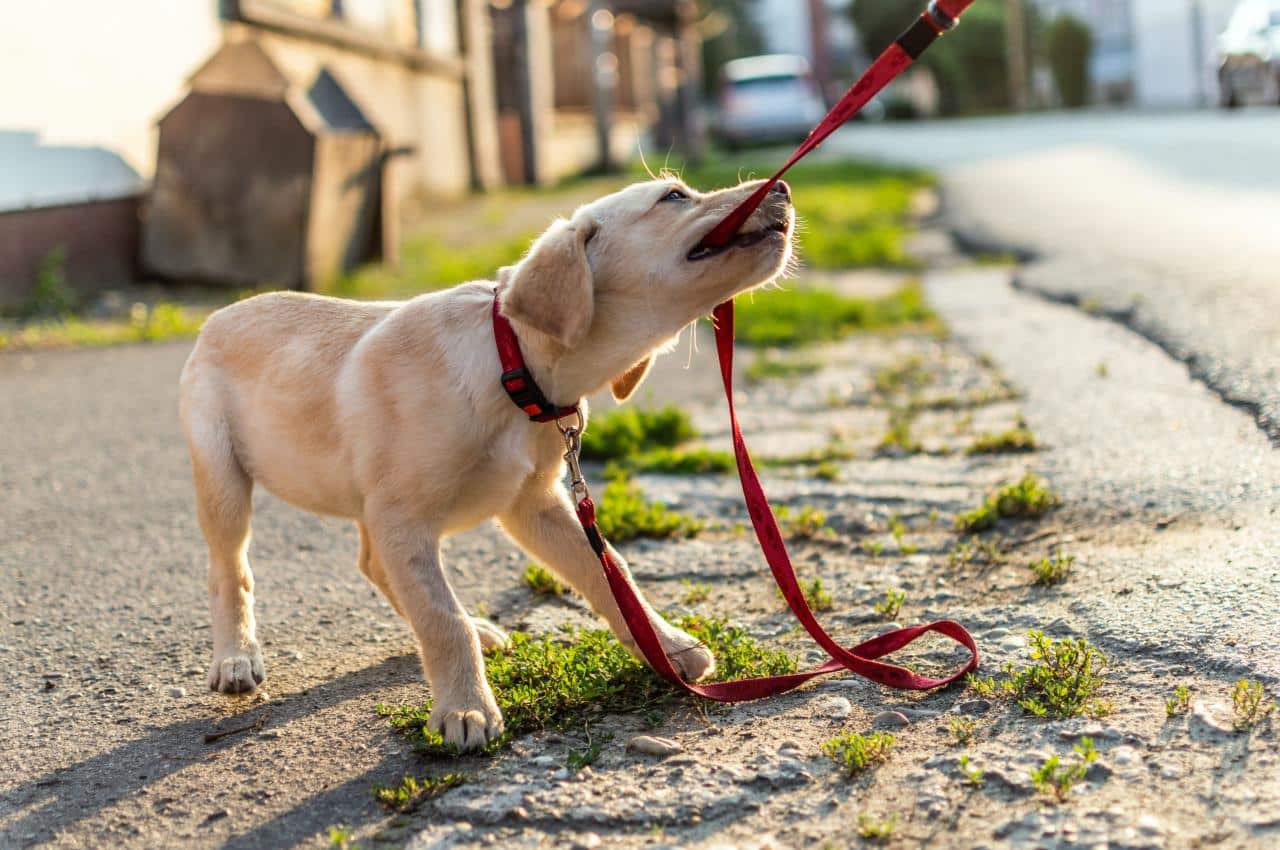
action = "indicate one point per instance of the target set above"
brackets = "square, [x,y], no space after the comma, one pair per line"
[862,659]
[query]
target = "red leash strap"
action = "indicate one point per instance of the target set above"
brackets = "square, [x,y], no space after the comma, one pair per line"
[862,659]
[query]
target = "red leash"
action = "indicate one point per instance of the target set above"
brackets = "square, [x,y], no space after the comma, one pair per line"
[861,659]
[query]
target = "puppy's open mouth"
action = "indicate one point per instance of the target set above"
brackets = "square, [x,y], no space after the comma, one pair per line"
[742,240]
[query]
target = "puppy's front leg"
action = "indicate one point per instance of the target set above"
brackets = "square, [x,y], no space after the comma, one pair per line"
[463,710]
[543,522]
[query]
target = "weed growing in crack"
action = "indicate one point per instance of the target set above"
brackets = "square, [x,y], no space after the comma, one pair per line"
[1050,571]
[1250,703]
[1013,441]
[806,524]
[570,678]
[854,753]
[877,829]
[970,551]
[576,760]
[816,596]
[624,513]
[898,439]
[1063,681]
[891,605]
[542,582]
[1179,703]
[1055,778]
[972,775]
[873,547]
[827,471]
[898,529]
[694,592]
[340,839]
[411,792]
[962,729]
[1029,498]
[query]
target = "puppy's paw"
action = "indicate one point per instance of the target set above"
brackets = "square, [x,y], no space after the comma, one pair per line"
[238,671]
[692,660]
[492,638]
[467,724]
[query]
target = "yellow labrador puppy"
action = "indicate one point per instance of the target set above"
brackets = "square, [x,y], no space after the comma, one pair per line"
[392,414]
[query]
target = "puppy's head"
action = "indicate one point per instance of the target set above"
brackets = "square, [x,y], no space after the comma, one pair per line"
[628,267]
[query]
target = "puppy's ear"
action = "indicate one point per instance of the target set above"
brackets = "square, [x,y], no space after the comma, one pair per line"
[624,386]
[551,289]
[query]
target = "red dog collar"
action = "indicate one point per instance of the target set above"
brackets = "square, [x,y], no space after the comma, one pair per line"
[516,378]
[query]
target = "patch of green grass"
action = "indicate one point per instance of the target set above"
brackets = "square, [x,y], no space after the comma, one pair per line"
[340,838]
[826,471]
[571,678]
[854,753]
[962,729]
[969,551]
[1063,680]
[891,605]
[877,829]
[855,213]
[972,775]
[157,323]
[771,364]
[411,792]
[679,462]
[1013,441]
[834,450]
[872,546]
[808,523]
[1054,778]
[427,263]
[1054,570]
[542,582]
[1179,703]
[1029,497]
[789,318]
[816,596]
[625,433]
[907,375]
[898,438]
[694,592]
[625,513]
[1250,703]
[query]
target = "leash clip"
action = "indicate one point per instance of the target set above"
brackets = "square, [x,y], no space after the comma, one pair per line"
[572,456]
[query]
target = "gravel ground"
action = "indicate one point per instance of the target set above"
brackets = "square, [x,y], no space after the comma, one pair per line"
[1168,505]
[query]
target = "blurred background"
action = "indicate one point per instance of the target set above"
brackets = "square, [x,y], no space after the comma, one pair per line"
[266,143]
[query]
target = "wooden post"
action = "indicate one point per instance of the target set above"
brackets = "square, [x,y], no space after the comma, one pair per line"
[604,72]
[1017,48]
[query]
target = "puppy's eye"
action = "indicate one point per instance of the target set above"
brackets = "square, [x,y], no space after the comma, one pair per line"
[675,195]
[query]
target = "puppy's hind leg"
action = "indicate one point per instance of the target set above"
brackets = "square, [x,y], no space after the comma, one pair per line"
[224,502]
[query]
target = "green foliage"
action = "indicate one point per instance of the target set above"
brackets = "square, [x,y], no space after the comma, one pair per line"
[625,513]
[569,679]
[877,829]
[1013,441]
[898,438]
[160,322]
[771,364]
[1249,700]
[1069,43]
[629,431]
[1063,680]
[1048,571]
[854,753]
[1179,703]
[576,760]
[1055,778]
[340,839]
[834,450]
[679,462]
[52,294]
[969,551]
[787,318]
[972,775]
[962,729]
[808,523]
[816,596]
[411,792]
[891,606]
[906,375]
[827,471]
[694,592]
[1029,497]
[542,582]
[427,263]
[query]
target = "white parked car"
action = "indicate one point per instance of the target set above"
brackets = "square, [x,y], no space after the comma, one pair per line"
[1250,49]
[768,99]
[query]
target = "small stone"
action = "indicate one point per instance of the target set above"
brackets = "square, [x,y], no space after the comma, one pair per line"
[997,633]
[890,720]
[587,841]
[1013,643]
[1124,756]
[177,693]
[974,706]
[791,752]
[837,708]
[652,745]
[1150,825]
[544,762]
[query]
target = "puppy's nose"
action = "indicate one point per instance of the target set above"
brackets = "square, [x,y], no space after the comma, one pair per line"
[781,188]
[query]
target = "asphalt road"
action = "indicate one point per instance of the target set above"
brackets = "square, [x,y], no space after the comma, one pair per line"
[1167,222]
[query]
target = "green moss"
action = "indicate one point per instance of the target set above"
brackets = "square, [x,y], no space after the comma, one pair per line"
[569,679]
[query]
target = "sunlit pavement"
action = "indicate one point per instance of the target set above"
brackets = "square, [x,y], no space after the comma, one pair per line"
[1169,222]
